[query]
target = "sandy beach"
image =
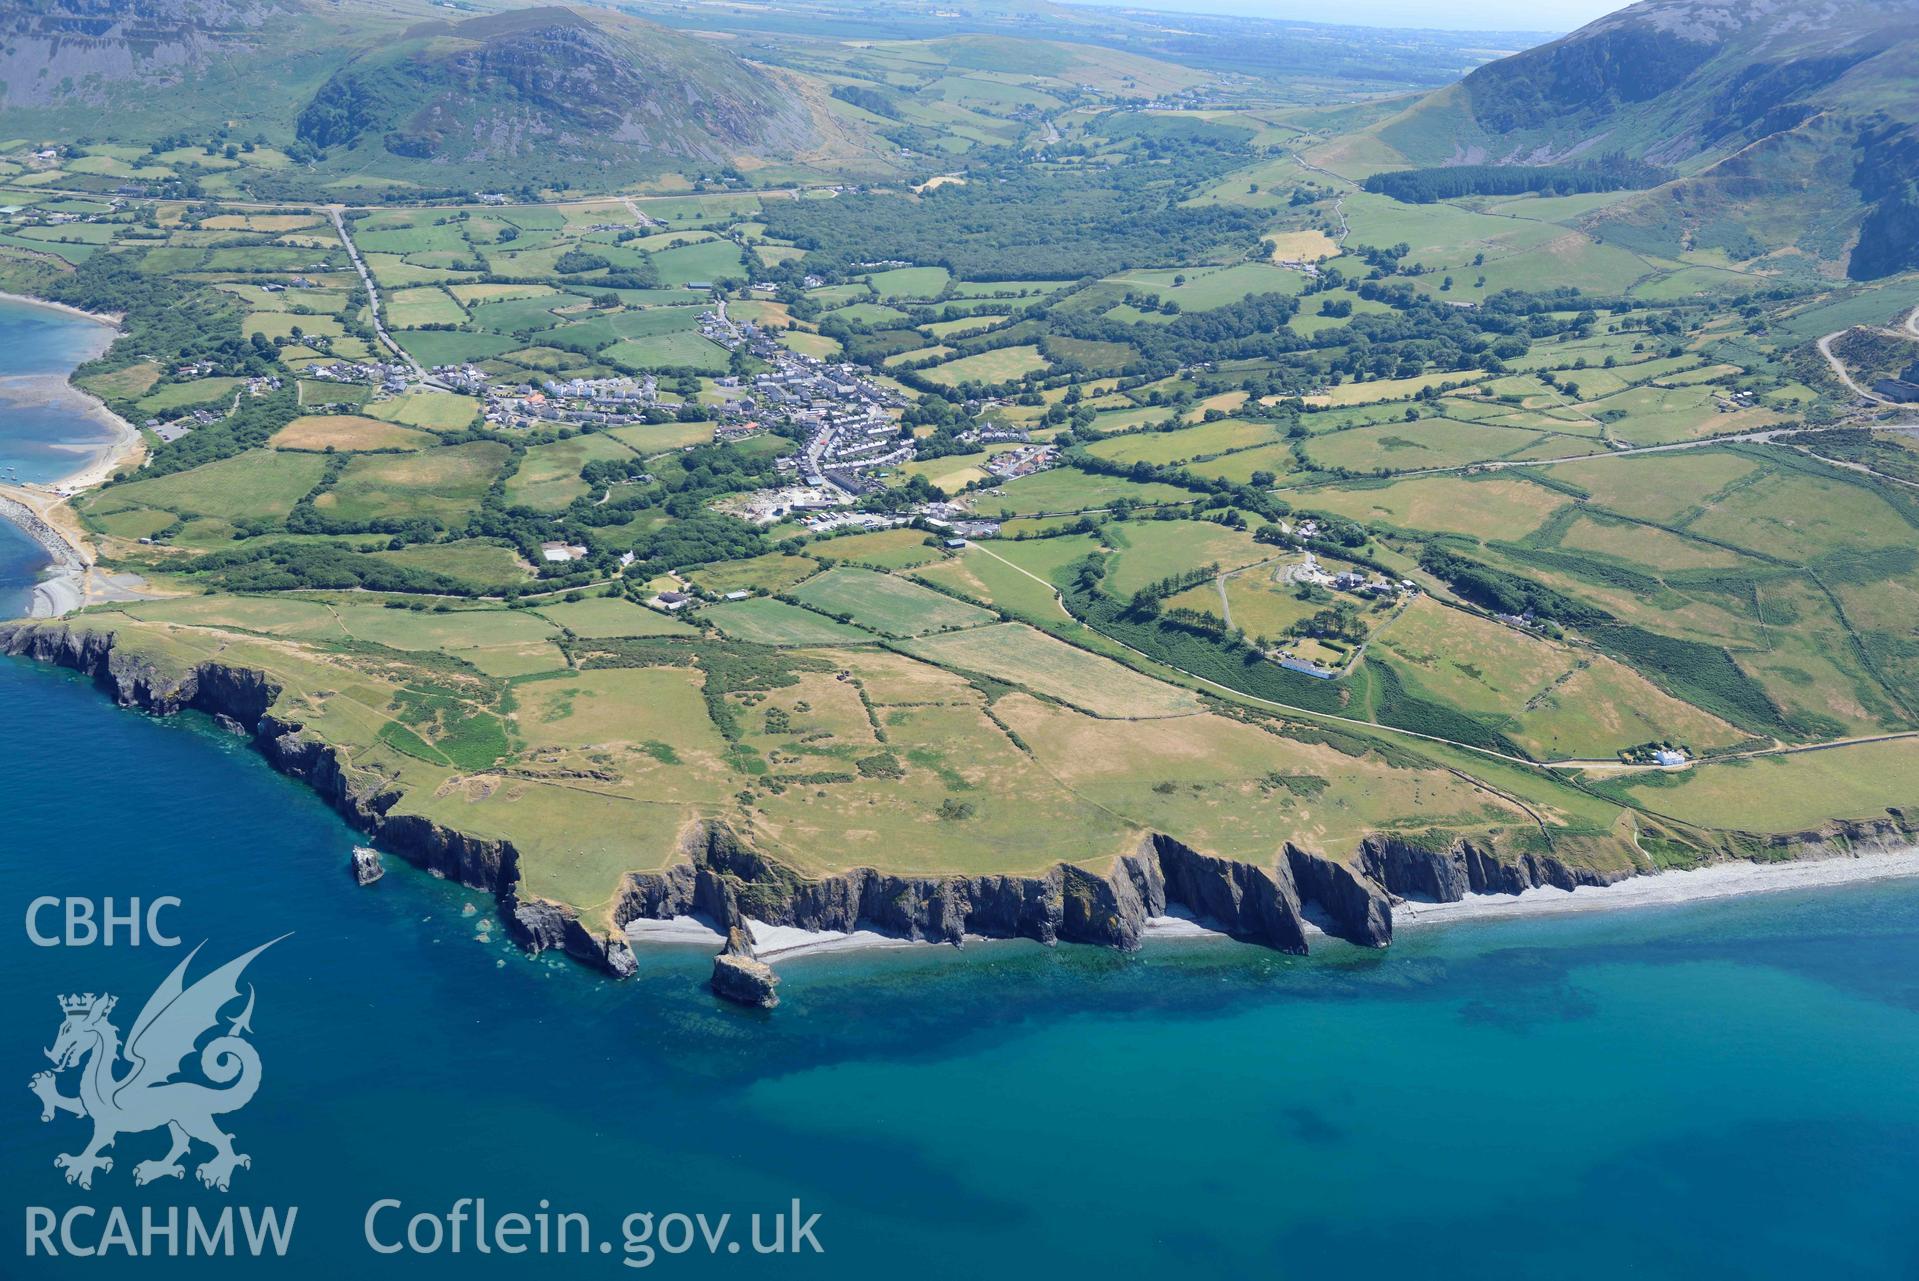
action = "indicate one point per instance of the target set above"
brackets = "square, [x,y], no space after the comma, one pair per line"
[781,942]
[770,942]
[689,930]
[121,437]
[99,458]
[1668,889]
[41,511]
[111,319]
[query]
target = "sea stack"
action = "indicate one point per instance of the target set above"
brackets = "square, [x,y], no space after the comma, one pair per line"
[739,977]
[367,867]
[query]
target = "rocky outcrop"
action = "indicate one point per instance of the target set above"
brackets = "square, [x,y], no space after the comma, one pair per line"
[539,925]
[241,697]
[1113,908]
[1449,873]
[1899,830]
[367,867]
[728,882]
[1273,904]
[1347,904]
[132,681]
[1259,904]
[742,978]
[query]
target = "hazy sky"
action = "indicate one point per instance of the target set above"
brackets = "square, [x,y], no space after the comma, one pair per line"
[1446,15]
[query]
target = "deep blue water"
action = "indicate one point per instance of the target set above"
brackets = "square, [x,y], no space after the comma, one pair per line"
[1725,1090]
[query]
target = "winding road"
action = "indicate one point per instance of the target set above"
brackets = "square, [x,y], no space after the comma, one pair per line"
[1840,371]
[337,213]
[1908,331]
[1339,197]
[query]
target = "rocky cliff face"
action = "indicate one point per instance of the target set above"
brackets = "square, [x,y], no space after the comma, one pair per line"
[721,878]
[741,977]
[729,883]
[240,697]
[1467,867]
[68,51]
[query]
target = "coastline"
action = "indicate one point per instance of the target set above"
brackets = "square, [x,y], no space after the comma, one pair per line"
[778,943]
[36,509]
[63,584]
[1163,891]
[106,318]
[1667,889]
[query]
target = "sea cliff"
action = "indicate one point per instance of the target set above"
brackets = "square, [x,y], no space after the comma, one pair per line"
[1277,904]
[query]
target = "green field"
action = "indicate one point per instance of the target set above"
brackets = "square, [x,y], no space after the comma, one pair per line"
[1066,490]
[774,572]
[347,433]
[1157,549]
[886,548]
[666,351]
[707,262]
[258,483]
[434,410]
[602,617]
[1018,655]
[549,475]
[770,622]
[441,347]
[487,566]
[435,484]
[1783,793]
[1003,364]
[885,604]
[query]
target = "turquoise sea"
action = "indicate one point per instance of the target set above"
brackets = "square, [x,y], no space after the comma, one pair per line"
[40,425]
[39,428]
[21,560]
[1726,1090]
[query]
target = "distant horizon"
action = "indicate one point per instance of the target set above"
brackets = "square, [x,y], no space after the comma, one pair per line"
[1543,17]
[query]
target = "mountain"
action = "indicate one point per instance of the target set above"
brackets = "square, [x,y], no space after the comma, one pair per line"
[1793,127]
[59,53]
[409,92]
[556,84]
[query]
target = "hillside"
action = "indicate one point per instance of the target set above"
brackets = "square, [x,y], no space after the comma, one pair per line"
[372,93]
[556,84]
[73,50]
[87,54]
[1793,134]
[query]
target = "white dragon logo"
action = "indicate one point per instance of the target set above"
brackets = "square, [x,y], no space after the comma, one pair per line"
[146,1097]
